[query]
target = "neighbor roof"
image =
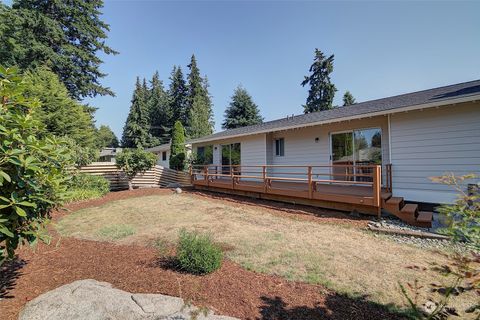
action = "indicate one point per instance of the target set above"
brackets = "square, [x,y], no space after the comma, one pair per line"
[457,93]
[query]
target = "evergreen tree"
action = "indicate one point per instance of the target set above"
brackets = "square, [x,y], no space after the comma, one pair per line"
[322,91]
[159,110]
[66,36]
[135,131]
[59,114]
[348,99]
[242,111]
[177,93]
[106,138]
[199,103]
[177,147]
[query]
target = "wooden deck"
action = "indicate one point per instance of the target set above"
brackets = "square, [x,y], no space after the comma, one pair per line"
[299,182]
[343,187]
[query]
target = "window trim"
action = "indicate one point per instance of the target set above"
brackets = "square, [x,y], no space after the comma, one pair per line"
[281,147]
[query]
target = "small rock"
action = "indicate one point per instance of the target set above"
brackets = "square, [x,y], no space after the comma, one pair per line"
[178,190]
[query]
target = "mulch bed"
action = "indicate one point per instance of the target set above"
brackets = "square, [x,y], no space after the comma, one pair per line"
[230,291]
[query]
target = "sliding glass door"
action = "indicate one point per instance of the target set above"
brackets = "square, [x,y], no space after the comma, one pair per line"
[230,156]
[356,147]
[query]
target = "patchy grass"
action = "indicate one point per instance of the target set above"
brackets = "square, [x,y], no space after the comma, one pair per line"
[341,257]
[115,232]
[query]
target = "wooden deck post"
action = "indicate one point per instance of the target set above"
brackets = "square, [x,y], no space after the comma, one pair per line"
[310,184]
[232,177]
[264,177]
[377,189]
[206,175]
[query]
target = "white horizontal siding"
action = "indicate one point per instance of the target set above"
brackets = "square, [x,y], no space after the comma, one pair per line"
[302,149]
[431,143]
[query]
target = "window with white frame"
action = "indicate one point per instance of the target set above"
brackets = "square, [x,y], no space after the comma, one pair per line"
[280,147]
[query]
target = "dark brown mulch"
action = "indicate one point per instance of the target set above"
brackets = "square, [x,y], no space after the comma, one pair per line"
[231,290]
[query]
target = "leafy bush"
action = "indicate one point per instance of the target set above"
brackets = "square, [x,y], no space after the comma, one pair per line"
[33,170]
[197,253]
[84,186]
[133,161]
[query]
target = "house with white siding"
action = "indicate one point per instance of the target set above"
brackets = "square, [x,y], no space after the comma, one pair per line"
[410,138]
[163,153]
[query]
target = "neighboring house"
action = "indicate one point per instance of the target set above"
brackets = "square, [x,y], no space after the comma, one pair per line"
[163,153]
[421,134]
[108,154]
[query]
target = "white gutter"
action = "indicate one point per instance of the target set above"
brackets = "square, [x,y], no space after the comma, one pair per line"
[359,116]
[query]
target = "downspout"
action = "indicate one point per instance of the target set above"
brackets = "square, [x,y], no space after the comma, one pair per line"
[389,140]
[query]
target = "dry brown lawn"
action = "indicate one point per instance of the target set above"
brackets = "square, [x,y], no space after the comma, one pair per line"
[339,256]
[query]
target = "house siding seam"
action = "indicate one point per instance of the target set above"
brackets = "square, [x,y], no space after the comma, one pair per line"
[431,143]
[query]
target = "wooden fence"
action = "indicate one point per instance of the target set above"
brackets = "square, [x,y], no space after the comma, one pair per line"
[158,176]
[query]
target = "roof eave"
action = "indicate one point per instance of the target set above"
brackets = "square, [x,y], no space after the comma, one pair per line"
[471,98]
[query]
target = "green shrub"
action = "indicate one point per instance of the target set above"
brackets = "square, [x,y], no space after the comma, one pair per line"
[33,169]
[197,253]
[84,186]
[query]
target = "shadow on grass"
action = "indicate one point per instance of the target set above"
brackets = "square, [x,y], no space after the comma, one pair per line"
[287,207]
[335,307]
[10,271]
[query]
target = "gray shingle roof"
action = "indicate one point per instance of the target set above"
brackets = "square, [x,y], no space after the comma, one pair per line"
[440,94]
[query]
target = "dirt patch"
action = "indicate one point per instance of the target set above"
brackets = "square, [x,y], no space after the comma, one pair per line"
[231,290]
[288,210]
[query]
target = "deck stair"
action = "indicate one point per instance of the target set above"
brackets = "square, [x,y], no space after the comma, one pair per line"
[408,213]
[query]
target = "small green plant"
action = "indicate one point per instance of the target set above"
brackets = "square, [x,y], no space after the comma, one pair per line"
[197,254]
[116,231]
[84,186]
[133,161]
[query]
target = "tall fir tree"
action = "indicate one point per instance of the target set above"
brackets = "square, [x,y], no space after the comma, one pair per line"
[177,95]
[135,131]
[159,110]
[242,111]
[322,90]
[60,114]
[201,114]
[66,36]
[348,99]
[199,103]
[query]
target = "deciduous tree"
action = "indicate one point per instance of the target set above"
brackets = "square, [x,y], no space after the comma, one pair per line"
[133,161]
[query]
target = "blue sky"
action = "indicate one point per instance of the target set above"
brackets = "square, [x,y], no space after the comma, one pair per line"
[381,48]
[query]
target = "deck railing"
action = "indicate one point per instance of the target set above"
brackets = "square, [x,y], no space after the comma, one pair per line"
[290,179]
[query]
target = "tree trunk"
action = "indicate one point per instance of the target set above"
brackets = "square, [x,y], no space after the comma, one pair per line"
[130,184]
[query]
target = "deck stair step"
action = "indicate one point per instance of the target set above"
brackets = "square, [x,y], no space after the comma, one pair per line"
[425,217]
[410,209]
[394,204]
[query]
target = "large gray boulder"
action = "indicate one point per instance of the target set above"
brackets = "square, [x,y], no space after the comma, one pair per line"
[94,300]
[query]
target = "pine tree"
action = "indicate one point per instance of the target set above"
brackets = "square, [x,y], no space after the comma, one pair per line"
[66,36]
[322,91]
[177,147]
[242,111]
[159,110]
[199,104]
[135,131]
[177,94]
[348,99]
